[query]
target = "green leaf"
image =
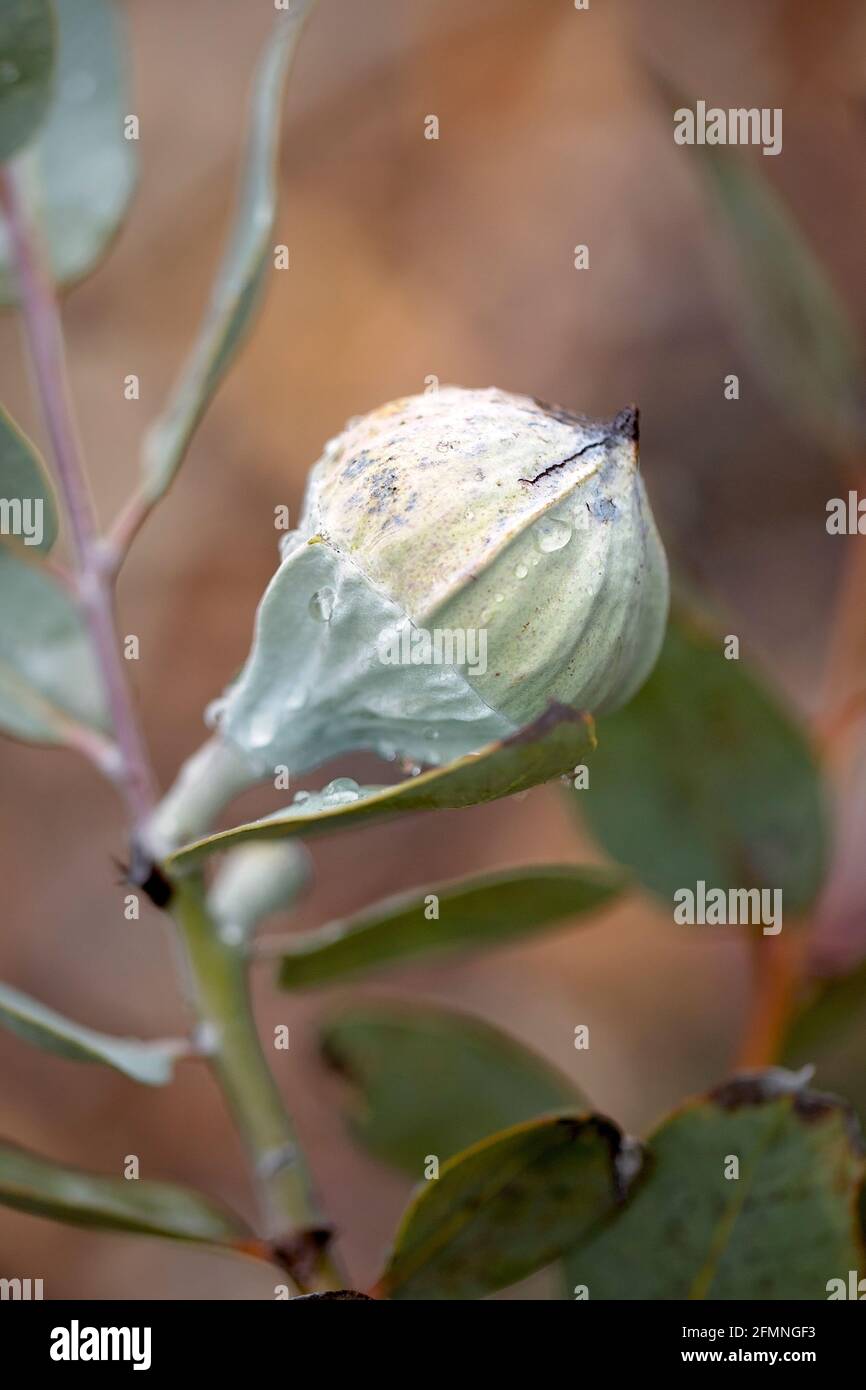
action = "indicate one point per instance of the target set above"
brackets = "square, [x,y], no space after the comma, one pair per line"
[28,511]
[148,1062]
[828,1033]
[26,70]
[795,324]
[240,280]
[507,1207]
[472,913]
[42,1187]
[554,743]
[703,776]
[429,1081]
[78,175]
[780,1230]
[48,678]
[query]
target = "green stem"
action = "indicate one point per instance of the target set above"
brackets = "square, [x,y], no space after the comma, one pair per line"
[219,984]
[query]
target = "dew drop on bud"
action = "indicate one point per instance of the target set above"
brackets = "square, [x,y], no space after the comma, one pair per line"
[322,605]
[521,571]
[300,797]
[551,534]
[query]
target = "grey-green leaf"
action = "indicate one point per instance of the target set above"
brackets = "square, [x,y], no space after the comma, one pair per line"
[556,742]
[42,1187]
[508,1206]
[79,173]
[26,70]
[470,914]
[794,322]
[704,776]
[48,678]
[28,511]
[430,1081]
[149,1062]
[240,280]
[780,1229]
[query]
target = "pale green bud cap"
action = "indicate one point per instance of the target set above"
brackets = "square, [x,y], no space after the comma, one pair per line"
[464,557]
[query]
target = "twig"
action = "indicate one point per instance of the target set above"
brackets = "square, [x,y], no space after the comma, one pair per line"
[296,1239]
[44,333]
[296,1235]
[777,977]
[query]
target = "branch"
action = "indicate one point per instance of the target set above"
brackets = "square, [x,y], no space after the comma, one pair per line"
[94,589]
[296,1235]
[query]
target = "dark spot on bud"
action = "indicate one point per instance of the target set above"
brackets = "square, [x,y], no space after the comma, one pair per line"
[627,423]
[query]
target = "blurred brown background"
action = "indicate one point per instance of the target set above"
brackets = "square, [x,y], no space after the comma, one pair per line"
[412,257]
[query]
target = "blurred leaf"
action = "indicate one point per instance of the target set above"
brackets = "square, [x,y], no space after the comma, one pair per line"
[240,280]
[703,776]
[47,674]
[829,1032]
[430,1081]
[26,70]
[782,1229]
[79,174]
[473,913]
[507,1207]
[148,1062]
[24,480]
[557,741]
[796,326]
[42,1187]
[255,882]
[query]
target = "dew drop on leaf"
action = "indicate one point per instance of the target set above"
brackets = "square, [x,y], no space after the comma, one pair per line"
[342,789]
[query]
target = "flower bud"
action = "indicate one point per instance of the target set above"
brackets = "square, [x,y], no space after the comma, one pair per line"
[464,557]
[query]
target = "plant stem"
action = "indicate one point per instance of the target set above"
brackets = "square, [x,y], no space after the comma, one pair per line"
[218,972]
[44,333]
[777,978]
[219,982]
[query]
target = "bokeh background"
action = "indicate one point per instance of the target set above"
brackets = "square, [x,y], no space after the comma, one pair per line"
[409,258]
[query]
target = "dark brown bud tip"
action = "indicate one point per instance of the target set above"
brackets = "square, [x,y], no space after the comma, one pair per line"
[627,423]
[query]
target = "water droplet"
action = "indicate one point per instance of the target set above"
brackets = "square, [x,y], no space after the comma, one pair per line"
[263,726]
[500,598]
[322,605]
[295,701]
[485,617]
[214,712]
[300,797]
[521,571]
[341,790]
[470,515]
[551,534]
